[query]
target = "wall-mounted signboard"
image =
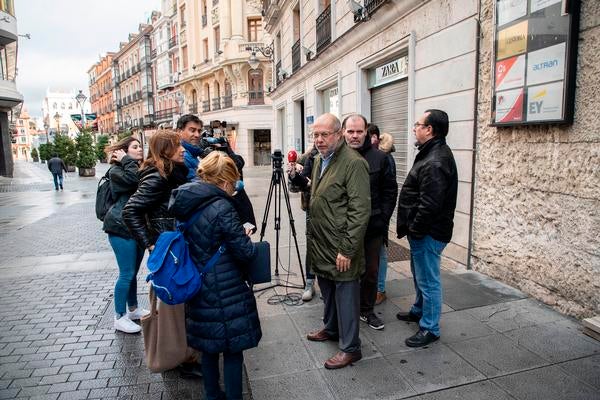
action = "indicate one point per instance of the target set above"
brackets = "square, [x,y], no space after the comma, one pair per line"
[535,57]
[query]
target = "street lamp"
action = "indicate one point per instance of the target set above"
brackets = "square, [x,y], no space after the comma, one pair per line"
[57,119]
[266,51]
[46,127]
[81,98]
[180,100]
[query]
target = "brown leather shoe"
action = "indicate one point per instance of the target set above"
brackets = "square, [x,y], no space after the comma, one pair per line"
[321,336]
[380,298]
[342,359]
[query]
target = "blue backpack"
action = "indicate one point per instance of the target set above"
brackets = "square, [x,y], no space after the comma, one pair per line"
[173,274]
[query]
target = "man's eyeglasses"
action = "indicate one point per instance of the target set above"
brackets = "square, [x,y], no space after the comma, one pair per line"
[417,124]
[324,135]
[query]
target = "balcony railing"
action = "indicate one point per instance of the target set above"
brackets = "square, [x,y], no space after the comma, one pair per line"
[153,53]
[296,56]
[372,5]
[172,42]
[194,108]
[324,29]
[206,106]
[256,98]
[204,20]
[277,69]
[165,114]
[216,103]
[227,101]
[148,120]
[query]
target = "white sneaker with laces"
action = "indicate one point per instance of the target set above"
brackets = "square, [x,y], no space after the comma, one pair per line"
[308,293]
[138,313]
[124,324]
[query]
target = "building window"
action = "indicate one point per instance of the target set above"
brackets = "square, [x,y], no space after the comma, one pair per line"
[205,46]
[330,101]
[184,55]
[254,29]
[217,39]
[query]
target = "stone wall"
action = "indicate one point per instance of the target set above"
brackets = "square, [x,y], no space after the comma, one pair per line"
[537,188]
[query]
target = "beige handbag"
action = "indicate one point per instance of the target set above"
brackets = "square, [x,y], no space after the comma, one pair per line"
[165,340]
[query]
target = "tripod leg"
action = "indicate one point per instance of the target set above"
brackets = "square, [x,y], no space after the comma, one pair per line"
[267,206]
[277,222]
[293,228]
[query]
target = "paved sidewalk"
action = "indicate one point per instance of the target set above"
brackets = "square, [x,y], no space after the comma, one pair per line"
[56,339]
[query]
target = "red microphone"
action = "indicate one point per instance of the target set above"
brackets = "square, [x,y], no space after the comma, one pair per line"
[292,156]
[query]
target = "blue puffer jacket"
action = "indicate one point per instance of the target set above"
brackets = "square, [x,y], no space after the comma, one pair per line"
[222,317]
[190,159]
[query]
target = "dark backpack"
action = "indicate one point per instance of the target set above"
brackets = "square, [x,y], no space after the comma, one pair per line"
[173,274]
[104,199]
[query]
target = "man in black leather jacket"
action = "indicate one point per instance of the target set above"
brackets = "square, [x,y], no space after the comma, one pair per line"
[426,216]
[384,190]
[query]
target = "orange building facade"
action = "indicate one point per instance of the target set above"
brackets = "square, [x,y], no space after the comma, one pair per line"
[101,94]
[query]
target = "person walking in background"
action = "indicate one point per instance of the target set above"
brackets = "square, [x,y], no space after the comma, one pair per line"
[339,208]
[426,216]
[384,190]
[222,318]
[56,166]
[386,144]
[125,158]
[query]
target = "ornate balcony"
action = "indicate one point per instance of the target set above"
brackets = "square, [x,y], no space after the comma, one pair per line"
[193,108]
[206,106]
[256,98]
[165,114]
[324,29]
[227,101]
[216,103]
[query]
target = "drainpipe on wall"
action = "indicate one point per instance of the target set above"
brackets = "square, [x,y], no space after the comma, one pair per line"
[475,120]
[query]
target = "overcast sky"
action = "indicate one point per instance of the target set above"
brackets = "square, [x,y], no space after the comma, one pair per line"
[67,38]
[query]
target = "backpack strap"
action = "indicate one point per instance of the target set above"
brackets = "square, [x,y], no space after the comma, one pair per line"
[213,260]
[183,226]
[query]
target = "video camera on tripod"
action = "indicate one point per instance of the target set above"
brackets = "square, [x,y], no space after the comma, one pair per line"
[213,138]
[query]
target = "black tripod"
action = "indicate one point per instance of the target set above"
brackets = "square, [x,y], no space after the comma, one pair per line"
[277,184]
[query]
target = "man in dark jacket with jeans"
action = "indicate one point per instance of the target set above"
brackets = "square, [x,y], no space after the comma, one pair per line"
[56,165]
[384,189]
[426,216]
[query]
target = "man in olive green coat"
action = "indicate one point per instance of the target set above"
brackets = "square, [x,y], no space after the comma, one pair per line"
[339,209]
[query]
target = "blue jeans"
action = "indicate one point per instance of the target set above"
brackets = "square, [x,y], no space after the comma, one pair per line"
[425,256]
[382,269]
[129,257]
[58,180]
[232,375]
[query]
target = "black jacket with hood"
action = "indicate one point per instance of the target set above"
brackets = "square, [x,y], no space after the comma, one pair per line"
[123,183]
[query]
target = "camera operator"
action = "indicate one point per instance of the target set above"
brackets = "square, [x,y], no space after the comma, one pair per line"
[189,128]
[201,144]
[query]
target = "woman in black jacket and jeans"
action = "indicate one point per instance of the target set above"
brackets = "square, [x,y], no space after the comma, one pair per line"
[222,317]
[125,157]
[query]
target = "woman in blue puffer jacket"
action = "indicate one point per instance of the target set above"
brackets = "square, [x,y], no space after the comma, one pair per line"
[222,317]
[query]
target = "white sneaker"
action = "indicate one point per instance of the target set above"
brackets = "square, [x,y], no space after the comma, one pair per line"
[308,293]
[124,324]
[138,313]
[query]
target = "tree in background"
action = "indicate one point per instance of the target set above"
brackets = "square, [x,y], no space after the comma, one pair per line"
[86,154]
[124,134]
[65,148]
[35,155]
[46,151]
[100,146]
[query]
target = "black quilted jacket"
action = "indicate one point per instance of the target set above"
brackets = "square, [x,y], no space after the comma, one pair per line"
[222,317]
[145,214]
[123,183]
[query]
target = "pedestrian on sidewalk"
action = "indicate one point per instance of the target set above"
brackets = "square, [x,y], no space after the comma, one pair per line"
[56,165]
[125,158]
[385,144]
[146,213]
[426,216]
[339,209]
[222,318]
[384,190]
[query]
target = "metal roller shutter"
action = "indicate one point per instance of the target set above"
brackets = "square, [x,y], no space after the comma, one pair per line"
[389,111]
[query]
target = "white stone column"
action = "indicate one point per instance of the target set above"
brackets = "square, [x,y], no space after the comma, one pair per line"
[237,19]
[225,19]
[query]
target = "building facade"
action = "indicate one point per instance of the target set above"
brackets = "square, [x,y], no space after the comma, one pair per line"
[389,61]
[57,108]
[9,95]
[101,94]
[25,136]
[216,80]
[536,221]
[133,82]
[167,65]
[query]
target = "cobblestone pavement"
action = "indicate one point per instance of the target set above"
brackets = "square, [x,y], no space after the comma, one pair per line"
[56,280]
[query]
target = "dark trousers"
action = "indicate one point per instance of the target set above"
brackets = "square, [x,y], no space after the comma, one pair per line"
[368,282]
[232,375]
[58,180]
[309,274]
[341,315]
